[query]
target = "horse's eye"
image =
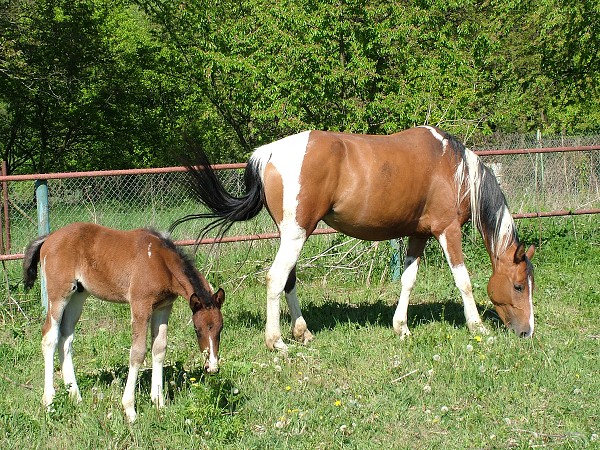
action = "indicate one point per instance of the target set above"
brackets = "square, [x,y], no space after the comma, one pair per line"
[518,287]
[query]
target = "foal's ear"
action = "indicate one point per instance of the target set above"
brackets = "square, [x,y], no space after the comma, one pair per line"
[219,297]
[195,303]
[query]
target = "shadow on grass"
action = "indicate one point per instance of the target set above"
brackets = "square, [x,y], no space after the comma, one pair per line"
[328,315]
[176,380]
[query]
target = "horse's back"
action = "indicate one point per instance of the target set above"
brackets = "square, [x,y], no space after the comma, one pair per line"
[367,186]
[105,262]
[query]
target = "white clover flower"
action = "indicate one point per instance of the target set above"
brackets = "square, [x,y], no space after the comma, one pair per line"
[427,389]
[469,348]
[436,357]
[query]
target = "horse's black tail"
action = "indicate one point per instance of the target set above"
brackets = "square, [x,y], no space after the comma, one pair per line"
[31,260]
[224,207]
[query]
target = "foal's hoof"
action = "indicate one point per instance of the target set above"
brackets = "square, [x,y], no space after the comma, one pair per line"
[402,330]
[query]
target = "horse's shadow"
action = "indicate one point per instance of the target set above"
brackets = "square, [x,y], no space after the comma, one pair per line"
[328,315]
[176,381]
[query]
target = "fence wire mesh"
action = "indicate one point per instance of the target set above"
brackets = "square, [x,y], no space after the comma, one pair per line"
[531,182]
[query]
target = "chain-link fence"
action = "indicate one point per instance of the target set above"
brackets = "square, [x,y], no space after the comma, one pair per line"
[532,183]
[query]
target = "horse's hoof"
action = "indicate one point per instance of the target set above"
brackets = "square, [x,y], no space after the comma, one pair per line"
[304,336]
[278,345]
[478,328]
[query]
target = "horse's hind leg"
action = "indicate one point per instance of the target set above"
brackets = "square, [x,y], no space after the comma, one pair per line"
[57,302]
[299,328]
[287,256]
[414,252]
[71,315]
[159,323]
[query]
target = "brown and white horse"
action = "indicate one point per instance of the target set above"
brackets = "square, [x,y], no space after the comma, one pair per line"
[140,267]
[418,183]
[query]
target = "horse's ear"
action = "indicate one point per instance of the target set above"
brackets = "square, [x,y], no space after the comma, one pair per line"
[195,303]
[219,297]
[519,254]
[530,252]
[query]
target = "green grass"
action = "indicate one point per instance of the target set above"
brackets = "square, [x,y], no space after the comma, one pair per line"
[356,385]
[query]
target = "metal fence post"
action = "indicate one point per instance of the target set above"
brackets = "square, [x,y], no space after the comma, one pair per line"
[395,259]
[41,195]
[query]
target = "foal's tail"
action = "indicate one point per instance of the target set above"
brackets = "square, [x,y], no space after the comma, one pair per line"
[31,260]
[224,207]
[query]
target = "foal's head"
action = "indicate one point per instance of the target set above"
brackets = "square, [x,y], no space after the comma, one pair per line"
[511,290]
[208,323]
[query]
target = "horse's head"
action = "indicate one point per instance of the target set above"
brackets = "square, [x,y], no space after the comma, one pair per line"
[208,323]
[511,289]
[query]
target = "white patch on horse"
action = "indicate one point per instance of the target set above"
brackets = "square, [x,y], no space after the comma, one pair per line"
[463,283]
[438,136]
[531,320]
[149,249]
[286,155]
[213,362]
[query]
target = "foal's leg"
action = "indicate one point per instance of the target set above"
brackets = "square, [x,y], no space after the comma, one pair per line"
[291,242]
[414,252]
[450,240]
[71,315]
[139,324]
[159,322]
[50,336]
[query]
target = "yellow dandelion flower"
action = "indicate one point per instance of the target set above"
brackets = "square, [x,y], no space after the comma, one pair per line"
[477,338]
[288,388]
[193,380]
[338,403]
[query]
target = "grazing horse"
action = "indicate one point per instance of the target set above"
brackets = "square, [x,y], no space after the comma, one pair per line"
[418,183]
[140,267]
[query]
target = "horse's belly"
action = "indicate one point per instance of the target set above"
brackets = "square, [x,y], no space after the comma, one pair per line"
[377,229]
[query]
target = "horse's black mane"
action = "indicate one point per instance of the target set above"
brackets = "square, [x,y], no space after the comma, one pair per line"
[491,199]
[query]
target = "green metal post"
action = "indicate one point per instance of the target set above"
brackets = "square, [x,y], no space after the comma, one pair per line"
[41,194]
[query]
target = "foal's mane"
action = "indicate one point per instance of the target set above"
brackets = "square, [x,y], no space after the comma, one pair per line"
[189,269]
[489,208]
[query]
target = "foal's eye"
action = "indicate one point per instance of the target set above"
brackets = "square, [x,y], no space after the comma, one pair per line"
[518,287]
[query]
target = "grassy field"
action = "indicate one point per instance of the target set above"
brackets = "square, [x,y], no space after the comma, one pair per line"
[356,385]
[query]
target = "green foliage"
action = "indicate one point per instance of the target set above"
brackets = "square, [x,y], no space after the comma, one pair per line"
[97,84]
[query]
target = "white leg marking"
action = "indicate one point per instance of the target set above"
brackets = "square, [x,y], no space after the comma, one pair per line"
[70,317]
[463,283]
[286,257]
[49,343]
[128,400]
[159,326]
[408,279]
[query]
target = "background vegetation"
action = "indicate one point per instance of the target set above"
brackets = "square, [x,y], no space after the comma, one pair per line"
[356,386]
[92,84]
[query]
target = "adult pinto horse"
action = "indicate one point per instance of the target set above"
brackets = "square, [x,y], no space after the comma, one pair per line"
[418,183]
[140,267]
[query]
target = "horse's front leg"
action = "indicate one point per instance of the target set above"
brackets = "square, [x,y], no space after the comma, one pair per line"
[139,323]
[414,251]
[451,242]
[159,323]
